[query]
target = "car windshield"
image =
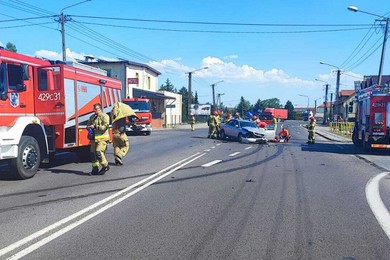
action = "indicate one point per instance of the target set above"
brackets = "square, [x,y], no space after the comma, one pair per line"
[139,106]
[248,124]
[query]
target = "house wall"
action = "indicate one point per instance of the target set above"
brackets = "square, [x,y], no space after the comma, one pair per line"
[173,115]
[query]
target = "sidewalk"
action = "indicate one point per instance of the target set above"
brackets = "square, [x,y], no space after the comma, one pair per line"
[324,131]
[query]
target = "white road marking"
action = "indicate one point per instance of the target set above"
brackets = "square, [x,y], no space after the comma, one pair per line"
[234,154]
[376,204]
[211,163]
[249,147]
[218,144]
[207,150]
[109,199]
[212,147]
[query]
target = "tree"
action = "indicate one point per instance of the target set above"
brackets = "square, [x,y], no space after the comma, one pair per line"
[184,97]
[243,107]
[258,107]
[168,87]
[290,107]
[11,47]
[196,101]
[271,103]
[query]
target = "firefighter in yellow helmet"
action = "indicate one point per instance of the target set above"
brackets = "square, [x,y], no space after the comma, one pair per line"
[99,123]
[120,115]
[213,121]
[192,122]
[312,130]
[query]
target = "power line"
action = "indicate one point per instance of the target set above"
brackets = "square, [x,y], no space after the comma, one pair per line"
[228,32]
[214,23]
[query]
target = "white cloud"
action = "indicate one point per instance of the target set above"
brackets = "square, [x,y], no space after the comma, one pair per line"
[70,55]
[231,57]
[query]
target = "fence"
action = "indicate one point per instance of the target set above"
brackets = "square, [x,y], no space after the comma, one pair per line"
[342,128]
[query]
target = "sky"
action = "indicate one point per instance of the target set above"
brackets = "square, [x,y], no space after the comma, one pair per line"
[255,49]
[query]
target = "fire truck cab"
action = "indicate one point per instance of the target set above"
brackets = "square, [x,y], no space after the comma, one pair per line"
[142,108]
[45,106]
[372,126]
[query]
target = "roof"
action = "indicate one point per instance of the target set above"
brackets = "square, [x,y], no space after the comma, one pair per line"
[368,81]
[328,104]
[347,93]
[122,61]
[149,94]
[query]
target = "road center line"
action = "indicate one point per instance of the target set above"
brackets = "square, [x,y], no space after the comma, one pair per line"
[376,204]
[211,163]
[110,199]
[234,154]
[249,147]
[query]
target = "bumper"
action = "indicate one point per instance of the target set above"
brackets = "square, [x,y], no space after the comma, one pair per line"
[139,128]
[254,140]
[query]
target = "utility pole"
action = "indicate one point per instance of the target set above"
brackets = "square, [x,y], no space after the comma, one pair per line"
[325,103]
[383,52]
[189,94]
[336,108]
[331,100]
[213,86]
[63,36]
[63,20]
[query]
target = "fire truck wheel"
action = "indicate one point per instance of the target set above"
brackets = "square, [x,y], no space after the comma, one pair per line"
[29,157]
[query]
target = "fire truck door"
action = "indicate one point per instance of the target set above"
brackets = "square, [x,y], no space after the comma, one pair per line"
[49,95]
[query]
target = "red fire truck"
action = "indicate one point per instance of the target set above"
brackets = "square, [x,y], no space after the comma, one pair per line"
[142,108]
[372,126]
[44,107]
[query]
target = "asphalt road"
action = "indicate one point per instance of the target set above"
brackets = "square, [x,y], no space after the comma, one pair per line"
[183,196]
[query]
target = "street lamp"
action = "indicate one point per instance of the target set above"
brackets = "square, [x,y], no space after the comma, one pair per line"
[212,86]
[336,101]
[325,100]
[315,105]
[308,101]
[219,99]
[63,19]
[384,19]
[190,91]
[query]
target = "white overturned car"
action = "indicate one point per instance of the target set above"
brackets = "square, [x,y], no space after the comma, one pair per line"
[245,132]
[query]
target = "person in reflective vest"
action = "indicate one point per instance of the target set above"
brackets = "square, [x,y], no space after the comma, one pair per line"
[120,115]
[213,121]
[99,123]
[192,122]
[312,130]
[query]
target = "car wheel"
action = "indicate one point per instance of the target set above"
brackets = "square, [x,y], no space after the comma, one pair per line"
[222,135]
[239,138]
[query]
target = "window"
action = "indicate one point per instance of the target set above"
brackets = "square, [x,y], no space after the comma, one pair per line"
[15,75]
[378,118]
[149,82]
[42,80]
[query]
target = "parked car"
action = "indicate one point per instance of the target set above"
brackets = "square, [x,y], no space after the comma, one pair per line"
[244,131]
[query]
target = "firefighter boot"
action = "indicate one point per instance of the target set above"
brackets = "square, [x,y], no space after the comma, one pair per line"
[95,171]
[104,170]
[118,160]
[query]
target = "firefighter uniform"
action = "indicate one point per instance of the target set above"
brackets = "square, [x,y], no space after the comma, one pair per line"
[119,116]
[99,122]
[212,128]
[192,122]
[312,130]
